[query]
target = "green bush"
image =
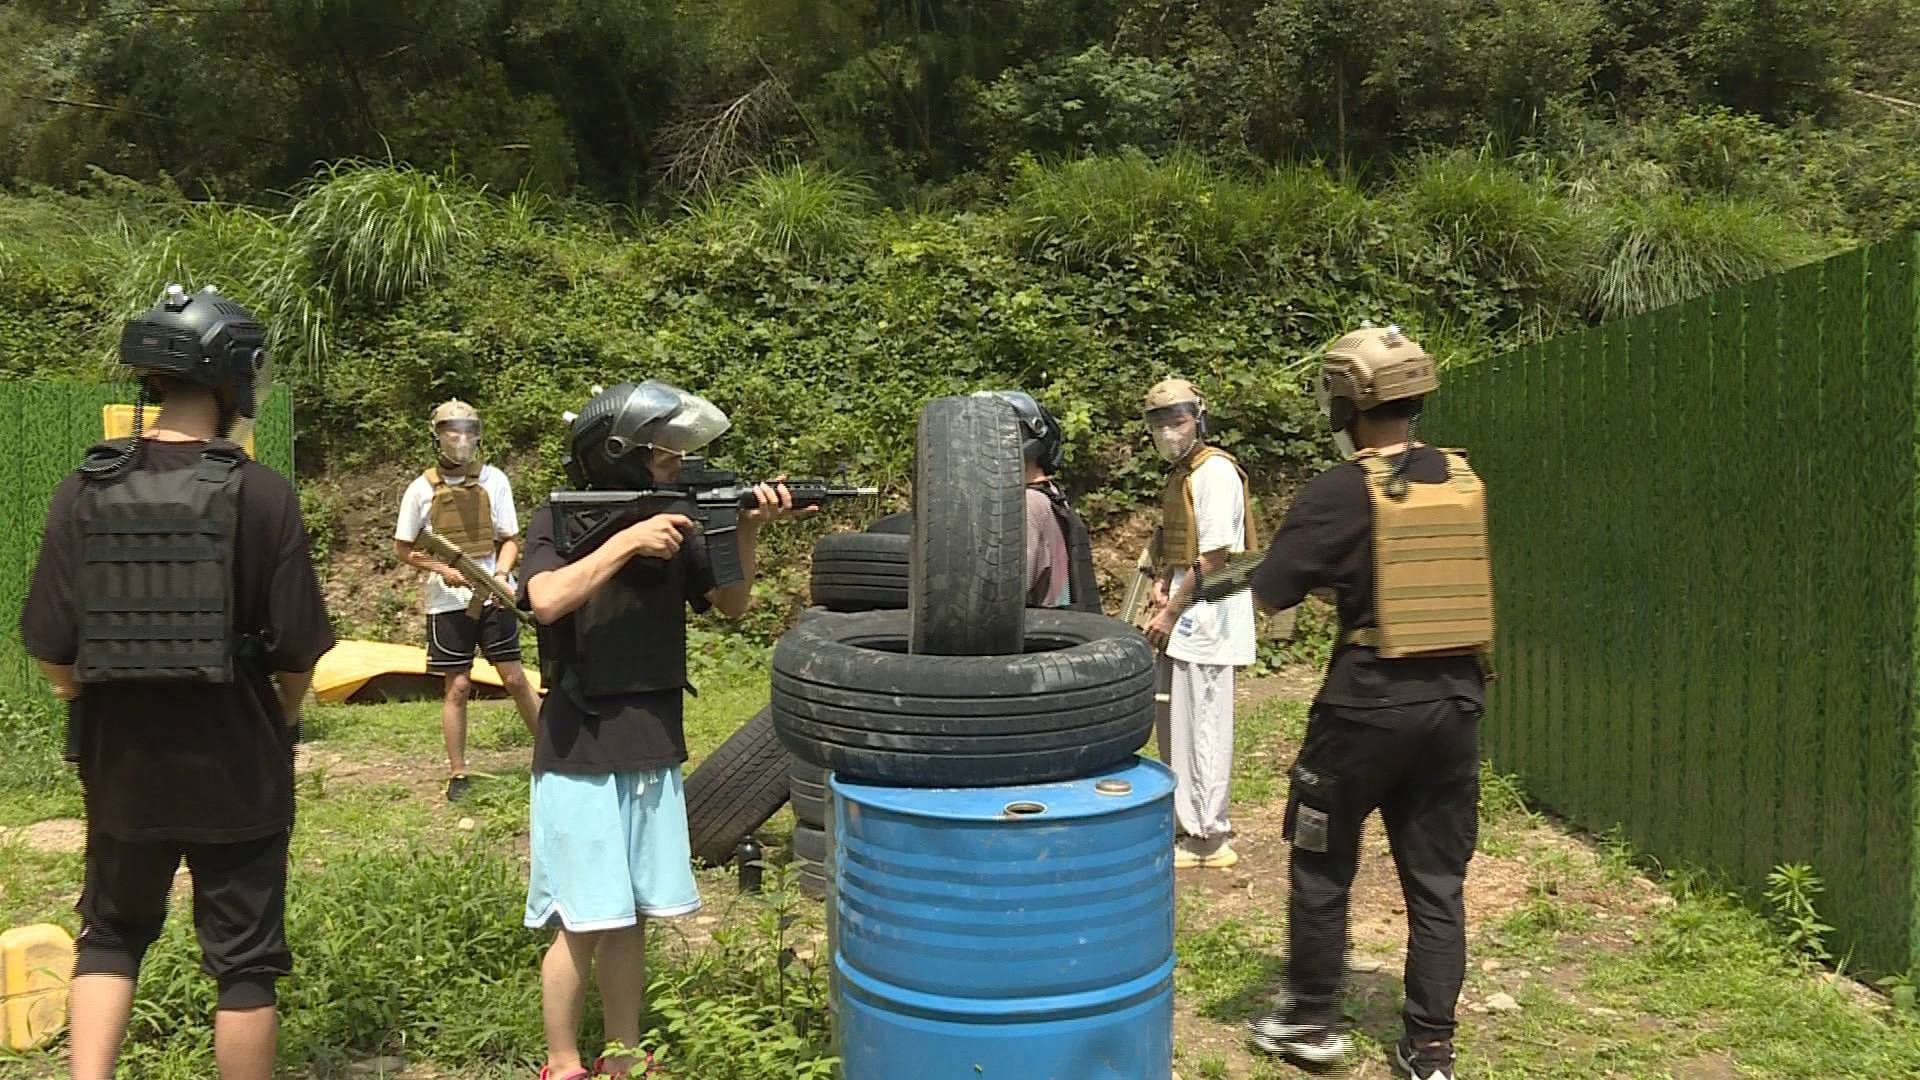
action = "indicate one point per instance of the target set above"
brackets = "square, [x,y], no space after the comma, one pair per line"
[822,324]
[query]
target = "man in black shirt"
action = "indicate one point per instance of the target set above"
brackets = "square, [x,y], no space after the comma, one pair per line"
[609,843]
[1398,535]
[173,585]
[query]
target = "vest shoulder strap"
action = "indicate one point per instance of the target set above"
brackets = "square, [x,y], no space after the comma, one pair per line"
[104,453]
[218,461]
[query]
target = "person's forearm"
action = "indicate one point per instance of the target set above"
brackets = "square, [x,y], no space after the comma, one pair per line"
[734,600]
[1209,562]
[419,559]
[508,558]
[556,594]
[293,686]
[61,676]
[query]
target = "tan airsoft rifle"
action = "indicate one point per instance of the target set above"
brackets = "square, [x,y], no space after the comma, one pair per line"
[485,586]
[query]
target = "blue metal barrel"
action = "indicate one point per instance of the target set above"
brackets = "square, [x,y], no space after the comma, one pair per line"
[1012,933]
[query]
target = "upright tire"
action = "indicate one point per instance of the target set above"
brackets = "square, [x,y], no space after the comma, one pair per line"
[967,573]
[735,789]
[859,571]
[1076,698]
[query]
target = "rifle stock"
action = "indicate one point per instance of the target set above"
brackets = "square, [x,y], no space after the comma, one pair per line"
[1134,605]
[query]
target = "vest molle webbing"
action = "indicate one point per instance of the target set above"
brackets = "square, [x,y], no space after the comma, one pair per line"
[155,580]
[1179,535]
[462,514]
[1433,579]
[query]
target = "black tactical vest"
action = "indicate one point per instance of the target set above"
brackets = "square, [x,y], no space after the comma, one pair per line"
[629,638]
[1083,582]
[155,578]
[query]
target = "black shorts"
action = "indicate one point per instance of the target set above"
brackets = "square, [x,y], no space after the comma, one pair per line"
[452,637]
[239,910]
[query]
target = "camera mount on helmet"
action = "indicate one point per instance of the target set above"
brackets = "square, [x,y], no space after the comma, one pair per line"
[202,338]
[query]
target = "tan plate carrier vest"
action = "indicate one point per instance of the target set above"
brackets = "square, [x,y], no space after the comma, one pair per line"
[462,514]
[1179,536]
[1433,578]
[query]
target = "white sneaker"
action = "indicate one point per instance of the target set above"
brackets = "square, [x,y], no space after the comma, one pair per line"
[1427,1063]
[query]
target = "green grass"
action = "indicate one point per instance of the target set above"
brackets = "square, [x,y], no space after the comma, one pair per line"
[407,938]
[1265,738]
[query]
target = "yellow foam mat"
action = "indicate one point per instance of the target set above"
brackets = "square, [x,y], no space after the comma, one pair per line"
[350,665]
[116,422]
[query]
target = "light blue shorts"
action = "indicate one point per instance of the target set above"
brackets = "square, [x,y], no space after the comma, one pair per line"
[609,849]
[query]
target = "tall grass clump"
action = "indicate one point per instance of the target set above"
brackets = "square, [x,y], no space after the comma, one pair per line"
[1513,237]
[1104,211]
[250,255]
[798,212]
[1663,249]
[380,231]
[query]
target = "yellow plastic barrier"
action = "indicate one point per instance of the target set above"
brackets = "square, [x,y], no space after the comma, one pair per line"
[116,421]
[35,962]
[350,665]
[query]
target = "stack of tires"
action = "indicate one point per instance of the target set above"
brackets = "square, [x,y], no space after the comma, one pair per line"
[744,782]
[852,572]
[935,674]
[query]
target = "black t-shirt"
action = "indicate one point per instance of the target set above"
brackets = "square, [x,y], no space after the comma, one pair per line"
[192,763]
[1327,541]
[624,733]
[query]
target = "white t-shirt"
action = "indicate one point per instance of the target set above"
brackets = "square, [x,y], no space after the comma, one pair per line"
[1222,632]
[414,508]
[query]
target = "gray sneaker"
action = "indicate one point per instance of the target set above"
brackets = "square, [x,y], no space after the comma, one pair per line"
[1315,1044]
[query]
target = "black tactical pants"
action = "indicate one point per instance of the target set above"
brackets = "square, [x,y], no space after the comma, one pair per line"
[1419,765]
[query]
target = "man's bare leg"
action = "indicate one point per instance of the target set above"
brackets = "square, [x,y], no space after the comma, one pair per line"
[453,720]
[563,997]
[514,677]
[99,1007]
[622,971]
[243,1042]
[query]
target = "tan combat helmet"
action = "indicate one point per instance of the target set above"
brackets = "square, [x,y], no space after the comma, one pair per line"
[1167,402]
[1170,392]
[1374,365]
[452,409]
[459,447]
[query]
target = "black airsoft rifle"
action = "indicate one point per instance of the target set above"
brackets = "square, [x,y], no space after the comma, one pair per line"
[714,498]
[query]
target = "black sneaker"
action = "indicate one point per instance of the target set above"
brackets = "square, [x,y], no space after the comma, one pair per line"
[457,788]
[1426,1062]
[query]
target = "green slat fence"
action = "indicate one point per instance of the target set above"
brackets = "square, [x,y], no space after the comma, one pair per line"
[1705,533]
[46,429]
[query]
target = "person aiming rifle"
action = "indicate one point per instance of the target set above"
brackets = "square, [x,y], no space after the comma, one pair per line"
[651,539]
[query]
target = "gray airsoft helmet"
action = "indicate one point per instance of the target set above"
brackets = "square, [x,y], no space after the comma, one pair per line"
[202,338]
[607,440]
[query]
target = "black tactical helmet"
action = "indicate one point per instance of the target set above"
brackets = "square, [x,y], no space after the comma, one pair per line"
[616,422]
[1042,440]
[202,338]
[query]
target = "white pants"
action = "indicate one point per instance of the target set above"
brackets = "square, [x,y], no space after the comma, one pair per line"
[1195,729]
